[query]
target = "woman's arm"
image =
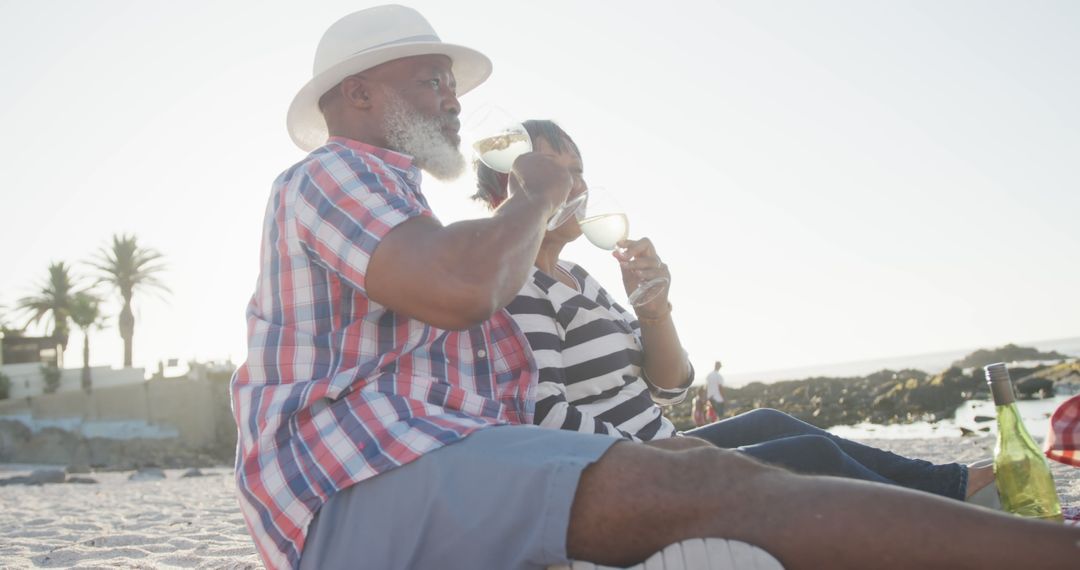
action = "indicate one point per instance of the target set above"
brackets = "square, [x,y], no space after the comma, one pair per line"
[666,365]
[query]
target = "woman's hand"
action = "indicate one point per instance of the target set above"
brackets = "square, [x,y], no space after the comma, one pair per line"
[639,263]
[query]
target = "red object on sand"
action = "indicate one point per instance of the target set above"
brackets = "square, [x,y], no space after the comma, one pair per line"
[1063,441]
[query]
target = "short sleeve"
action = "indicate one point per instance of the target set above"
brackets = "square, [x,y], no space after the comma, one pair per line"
[345,205]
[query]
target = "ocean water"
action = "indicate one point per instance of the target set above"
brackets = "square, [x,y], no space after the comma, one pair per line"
[1035,413]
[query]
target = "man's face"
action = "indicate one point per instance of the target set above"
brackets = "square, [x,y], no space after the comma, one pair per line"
[420,110]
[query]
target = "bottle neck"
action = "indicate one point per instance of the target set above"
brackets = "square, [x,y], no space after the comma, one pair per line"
[1003,393]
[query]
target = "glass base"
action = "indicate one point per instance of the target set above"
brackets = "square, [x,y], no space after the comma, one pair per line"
[568,210]
[647,291]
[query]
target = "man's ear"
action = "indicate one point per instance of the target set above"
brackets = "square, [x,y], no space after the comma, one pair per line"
[356,90]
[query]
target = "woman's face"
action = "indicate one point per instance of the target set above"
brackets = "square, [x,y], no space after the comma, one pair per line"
[570,230]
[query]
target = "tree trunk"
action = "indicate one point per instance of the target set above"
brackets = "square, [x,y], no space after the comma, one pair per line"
[61,345]
[61,332]
[127,330]
[86,362]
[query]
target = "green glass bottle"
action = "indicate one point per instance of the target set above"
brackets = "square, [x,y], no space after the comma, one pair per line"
[1023,477]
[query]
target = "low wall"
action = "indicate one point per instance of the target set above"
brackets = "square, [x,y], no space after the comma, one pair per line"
[28,381]
[160,421]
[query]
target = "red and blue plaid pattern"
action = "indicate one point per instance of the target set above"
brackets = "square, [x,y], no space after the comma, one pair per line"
[337,388]
[1063,441]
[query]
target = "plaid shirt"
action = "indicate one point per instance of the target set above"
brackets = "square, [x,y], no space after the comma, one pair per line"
[337,388]
[1063,442]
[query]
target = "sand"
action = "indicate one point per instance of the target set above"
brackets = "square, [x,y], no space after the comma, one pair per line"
[117,523]
[195,522]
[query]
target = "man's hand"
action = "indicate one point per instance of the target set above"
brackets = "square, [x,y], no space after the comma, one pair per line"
[540,178]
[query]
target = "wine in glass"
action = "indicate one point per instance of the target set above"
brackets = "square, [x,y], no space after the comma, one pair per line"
[605,225]
[499,149]
[498,143]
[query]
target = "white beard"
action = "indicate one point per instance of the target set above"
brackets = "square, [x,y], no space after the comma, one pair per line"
[422,138]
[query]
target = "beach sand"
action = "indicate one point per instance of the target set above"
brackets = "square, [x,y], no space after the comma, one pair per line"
[117,523]
[195,522]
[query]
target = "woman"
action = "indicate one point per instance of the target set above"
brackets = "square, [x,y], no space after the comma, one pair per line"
[698,407]
[604,370]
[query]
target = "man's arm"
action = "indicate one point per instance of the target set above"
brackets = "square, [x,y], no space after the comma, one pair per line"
[456,276]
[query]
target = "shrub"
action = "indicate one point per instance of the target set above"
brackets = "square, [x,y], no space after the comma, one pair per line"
[51,374]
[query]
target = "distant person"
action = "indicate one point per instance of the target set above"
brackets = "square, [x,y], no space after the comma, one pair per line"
[384,404]
[714,383]
[607,370]
[698,405]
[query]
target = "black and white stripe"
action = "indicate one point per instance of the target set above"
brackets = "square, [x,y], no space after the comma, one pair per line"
[589,353]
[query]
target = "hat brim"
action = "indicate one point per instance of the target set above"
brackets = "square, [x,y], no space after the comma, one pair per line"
[305,121]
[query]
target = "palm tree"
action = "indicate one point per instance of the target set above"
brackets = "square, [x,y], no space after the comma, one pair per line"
[53,302]
[4,328]
[86,312]
[128,268]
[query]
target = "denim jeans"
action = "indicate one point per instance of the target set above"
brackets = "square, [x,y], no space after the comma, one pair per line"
[777,438]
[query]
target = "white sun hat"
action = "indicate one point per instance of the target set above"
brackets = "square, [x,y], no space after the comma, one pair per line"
[363,40]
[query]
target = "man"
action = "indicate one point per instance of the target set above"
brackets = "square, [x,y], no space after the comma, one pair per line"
[379,406]
[714,386]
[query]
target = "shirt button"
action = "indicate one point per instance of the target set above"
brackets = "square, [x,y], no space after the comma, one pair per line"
[481,353]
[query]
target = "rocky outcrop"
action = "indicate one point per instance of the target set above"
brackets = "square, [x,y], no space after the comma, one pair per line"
[885,397]
[60,447]
[1007,353]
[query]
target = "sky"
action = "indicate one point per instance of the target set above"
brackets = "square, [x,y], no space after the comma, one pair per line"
[827,181]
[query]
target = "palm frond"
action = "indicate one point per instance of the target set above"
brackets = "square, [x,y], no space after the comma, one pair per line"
[128,267]
[53,300]
[86,310]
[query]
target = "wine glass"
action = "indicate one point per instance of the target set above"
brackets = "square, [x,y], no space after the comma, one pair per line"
[604,223]
[498,140]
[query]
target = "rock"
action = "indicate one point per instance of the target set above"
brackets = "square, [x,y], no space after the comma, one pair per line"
[147,474]
[13,435]
[1008,353]
[21,480]
[987,428]
[193,472]
[79,469]
[1030,386]
[42,476]
[965,432]
[83,480]
[981,419]
[51,445]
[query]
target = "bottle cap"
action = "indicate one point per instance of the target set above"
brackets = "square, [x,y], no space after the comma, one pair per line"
[996,372]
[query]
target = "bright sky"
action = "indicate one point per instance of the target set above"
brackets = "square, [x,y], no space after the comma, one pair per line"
[828,181]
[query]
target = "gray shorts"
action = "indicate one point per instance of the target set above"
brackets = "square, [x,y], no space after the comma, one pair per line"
[500,499]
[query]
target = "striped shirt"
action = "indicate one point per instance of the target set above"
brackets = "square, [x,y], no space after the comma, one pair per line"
[337,388]
[589,353]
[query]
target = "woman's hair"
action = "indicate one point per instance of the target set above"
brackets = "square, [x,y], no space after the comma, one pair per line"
[491,185]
